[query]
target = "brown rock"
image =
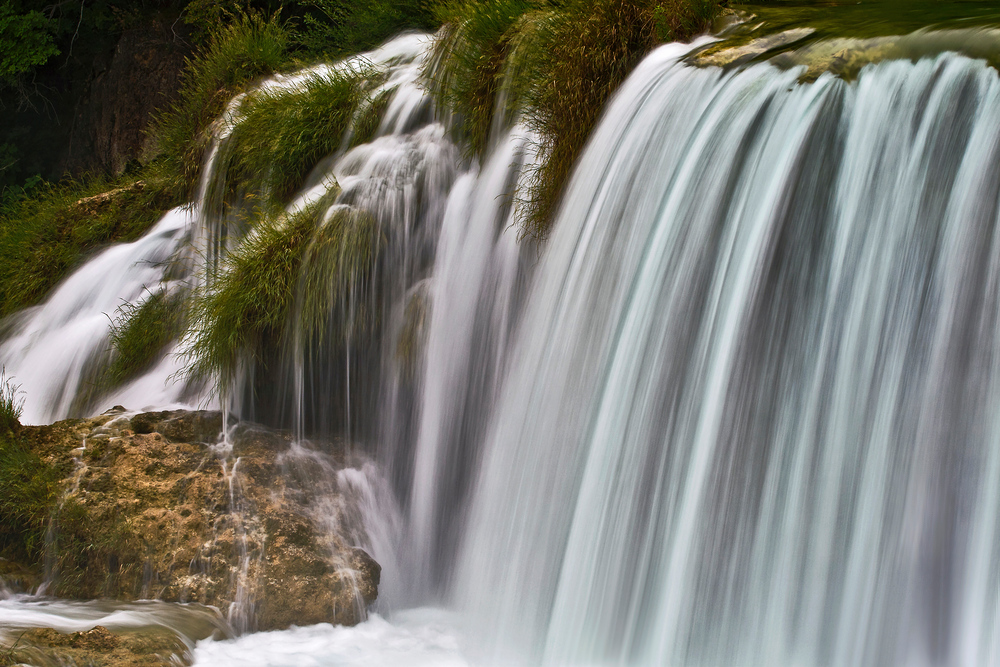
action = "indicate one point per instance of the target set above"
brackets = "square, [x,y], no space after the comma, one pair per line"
[154,509]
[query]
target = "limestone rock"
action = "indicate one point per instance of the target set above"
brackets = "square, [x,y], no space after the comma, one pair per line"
[155,507]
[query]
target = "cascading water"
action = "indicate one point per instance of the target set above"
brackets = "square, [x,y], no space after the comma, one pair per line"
[750,418]
[739,409]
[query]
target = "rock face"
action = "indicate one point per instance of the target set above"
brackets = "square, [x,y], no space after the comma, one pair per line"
[157,508]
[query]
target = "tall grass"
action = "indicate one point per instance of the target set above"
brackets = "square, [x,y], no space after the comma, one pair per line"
[557,63]
[251,46]
[27,484]
[283,133]
[343,27]
[139,333]
[247,313]
[11,404]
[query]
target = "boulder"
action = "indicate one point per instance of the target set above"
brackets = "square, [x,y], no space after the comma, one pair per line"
[160,506]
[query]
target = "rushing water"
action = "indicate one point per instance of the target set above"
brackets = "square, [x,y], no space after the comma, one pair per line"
[741,409]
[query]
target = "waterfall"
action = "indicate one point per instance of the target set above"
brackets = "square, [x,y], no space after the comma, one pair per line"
[751,412]
[741,408]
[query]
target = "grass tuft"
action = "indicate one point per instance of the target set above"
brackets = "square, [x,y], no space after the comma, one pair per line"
[249,47]
[283,133]
[335,274]
[28,486]
[11,404]
[290,273]
[555,62]
[140,332]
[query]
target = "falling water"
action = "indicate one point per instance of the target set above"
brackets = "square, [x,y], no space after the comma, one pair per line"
[739,409]
[751,413]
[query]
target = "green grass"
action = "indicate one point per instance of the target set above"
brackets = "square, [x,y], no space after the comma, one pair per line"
[283,134]
[11,404]
[237,54]
[28,486]
[469,58]
[334,281]
[244,310]
[343,27]
[291,273]
[51,231]
[558,62]
[140,332]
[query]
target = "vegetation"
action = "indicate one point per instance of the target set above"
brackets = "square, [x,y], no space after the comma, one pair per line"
[49,230]
[251,46]
[28,485]
[558,62]
[284,132]
[140,332]
[245,313]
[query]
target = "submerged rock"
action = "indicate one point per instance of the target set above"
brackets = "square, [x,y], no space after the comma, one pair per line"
[160,506]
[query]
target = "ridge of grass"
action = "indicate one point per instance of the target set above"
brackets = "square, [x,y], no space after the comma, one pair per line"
[557,63]
[250,46]
[283,133]
[28,486]
[46,234]
[290,273]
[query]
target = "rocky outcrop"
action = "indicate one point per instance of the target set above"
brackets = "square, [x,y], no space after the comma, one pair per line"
[156,507]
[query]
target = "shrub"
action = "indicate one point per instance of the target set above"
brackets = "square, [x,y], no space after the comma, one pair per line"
[140,332]
[237,54]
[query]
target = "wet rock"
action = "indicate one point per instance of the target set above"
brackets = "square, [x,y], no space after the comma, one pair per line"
[153,507]
[46,647]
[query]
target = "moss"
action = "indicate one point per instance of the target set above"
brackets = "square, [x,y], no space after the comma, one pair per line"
[47,234]
[557,62]
[140,332]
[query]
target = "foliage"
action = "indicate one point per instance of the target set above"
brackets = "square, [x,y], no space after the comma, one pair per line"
[244,315]
[244,310]
[49,231]
[471,53]
[237,54]
[335,272]
[283,133]
[27,485]
[139,333]
[26,41]
[343,27]
[369,118]
[556,62]
[11,404]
